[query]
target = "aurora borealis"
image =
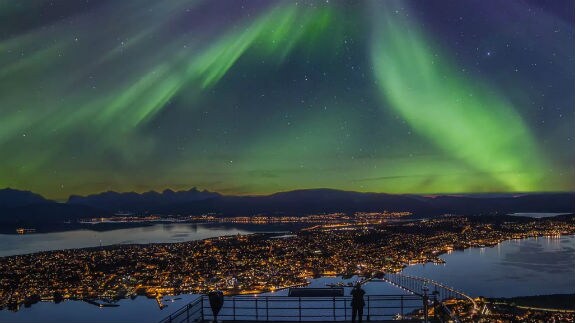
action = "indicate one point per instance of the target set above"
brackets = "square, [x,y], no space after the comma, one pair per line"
[255,97]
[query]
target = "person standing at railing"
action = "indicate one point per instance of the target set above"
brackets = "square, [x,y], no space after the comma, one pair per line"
[216,298]
[357,303]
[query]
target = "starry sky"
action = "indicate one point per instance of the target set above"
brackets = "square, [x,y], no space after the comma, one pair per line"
[255,97]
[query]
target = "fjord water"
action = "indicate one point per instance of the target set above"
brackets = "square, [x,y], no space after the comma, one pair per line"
[531,266]
[93,236]
[534,266]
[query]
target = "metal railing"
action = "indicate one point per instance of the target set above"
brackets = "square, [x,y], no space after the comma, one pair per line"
[191,312]
[297,309]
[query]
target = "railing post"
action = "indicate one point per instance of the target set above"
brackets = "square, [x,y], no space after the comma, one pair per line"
[368,309]
[402,307]
[334,308]
[344,309]
[188,313]
[425,308]
[202,307]
[257,311]
[267,309]
[299,307]
[234,307]
[435,303]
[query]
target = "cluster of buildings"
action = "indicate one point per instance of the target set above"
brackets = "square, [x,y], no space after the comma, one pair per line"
[370,217]
[250,263]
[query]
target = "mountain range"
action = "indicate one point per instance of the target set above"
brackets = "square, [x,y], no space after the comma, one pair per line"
[24,207]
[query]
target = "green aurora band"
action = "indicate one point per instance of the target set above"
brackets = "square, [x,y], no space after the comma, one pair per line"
[286,96]
[468,121]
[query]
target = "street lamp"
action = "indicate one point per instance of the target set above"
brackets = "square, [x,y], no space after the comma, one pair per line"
[435,294]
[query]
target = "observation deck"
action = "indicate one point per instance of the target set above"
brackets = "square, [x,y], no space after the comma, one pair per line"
[417,305]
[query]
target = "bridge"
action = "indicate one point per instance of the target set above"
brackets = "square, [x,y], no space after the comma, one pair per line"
[411,307]
[418,285]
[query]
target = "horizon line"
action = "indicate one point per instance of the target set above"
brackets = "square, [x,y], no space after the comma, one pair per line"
[65,199]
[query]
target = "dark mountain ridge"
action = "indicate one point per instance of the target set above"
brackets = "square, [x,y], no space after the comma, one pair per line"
[26,207]
[138,203]
[10,198]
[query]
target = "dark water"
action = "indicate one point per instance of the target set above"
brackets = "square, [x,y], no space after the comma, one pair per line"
[533,266]
[91,236]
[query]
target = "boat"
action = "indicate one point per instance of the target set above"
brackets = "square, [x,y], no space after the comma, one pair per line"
[25,230]
[93,302]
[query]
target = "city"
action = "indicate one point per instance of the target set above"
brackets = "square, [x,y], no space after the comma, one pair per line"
[247,264]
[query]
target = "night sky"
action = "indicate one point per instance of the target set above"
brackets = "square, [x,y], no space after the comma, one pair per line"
[255,97]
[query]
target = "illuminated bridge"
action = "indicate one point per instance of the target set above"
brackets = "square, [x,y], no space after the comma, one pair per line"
[424,301]
[418,286]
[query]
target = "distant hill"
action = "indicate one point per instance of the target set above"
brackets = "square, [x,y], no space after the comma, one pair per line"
[141,203]
[26,207]
[326,200]
[10,198]
[510,203]
[302,202]
[554,301]
[50,213]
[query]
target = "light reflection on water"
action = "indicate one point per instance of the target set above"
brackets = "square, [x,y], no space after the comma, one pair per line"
[14,244]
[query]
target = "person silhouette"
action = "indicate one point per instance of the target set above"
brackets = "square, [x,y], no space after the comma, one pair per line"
[216,299]
[357,303]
